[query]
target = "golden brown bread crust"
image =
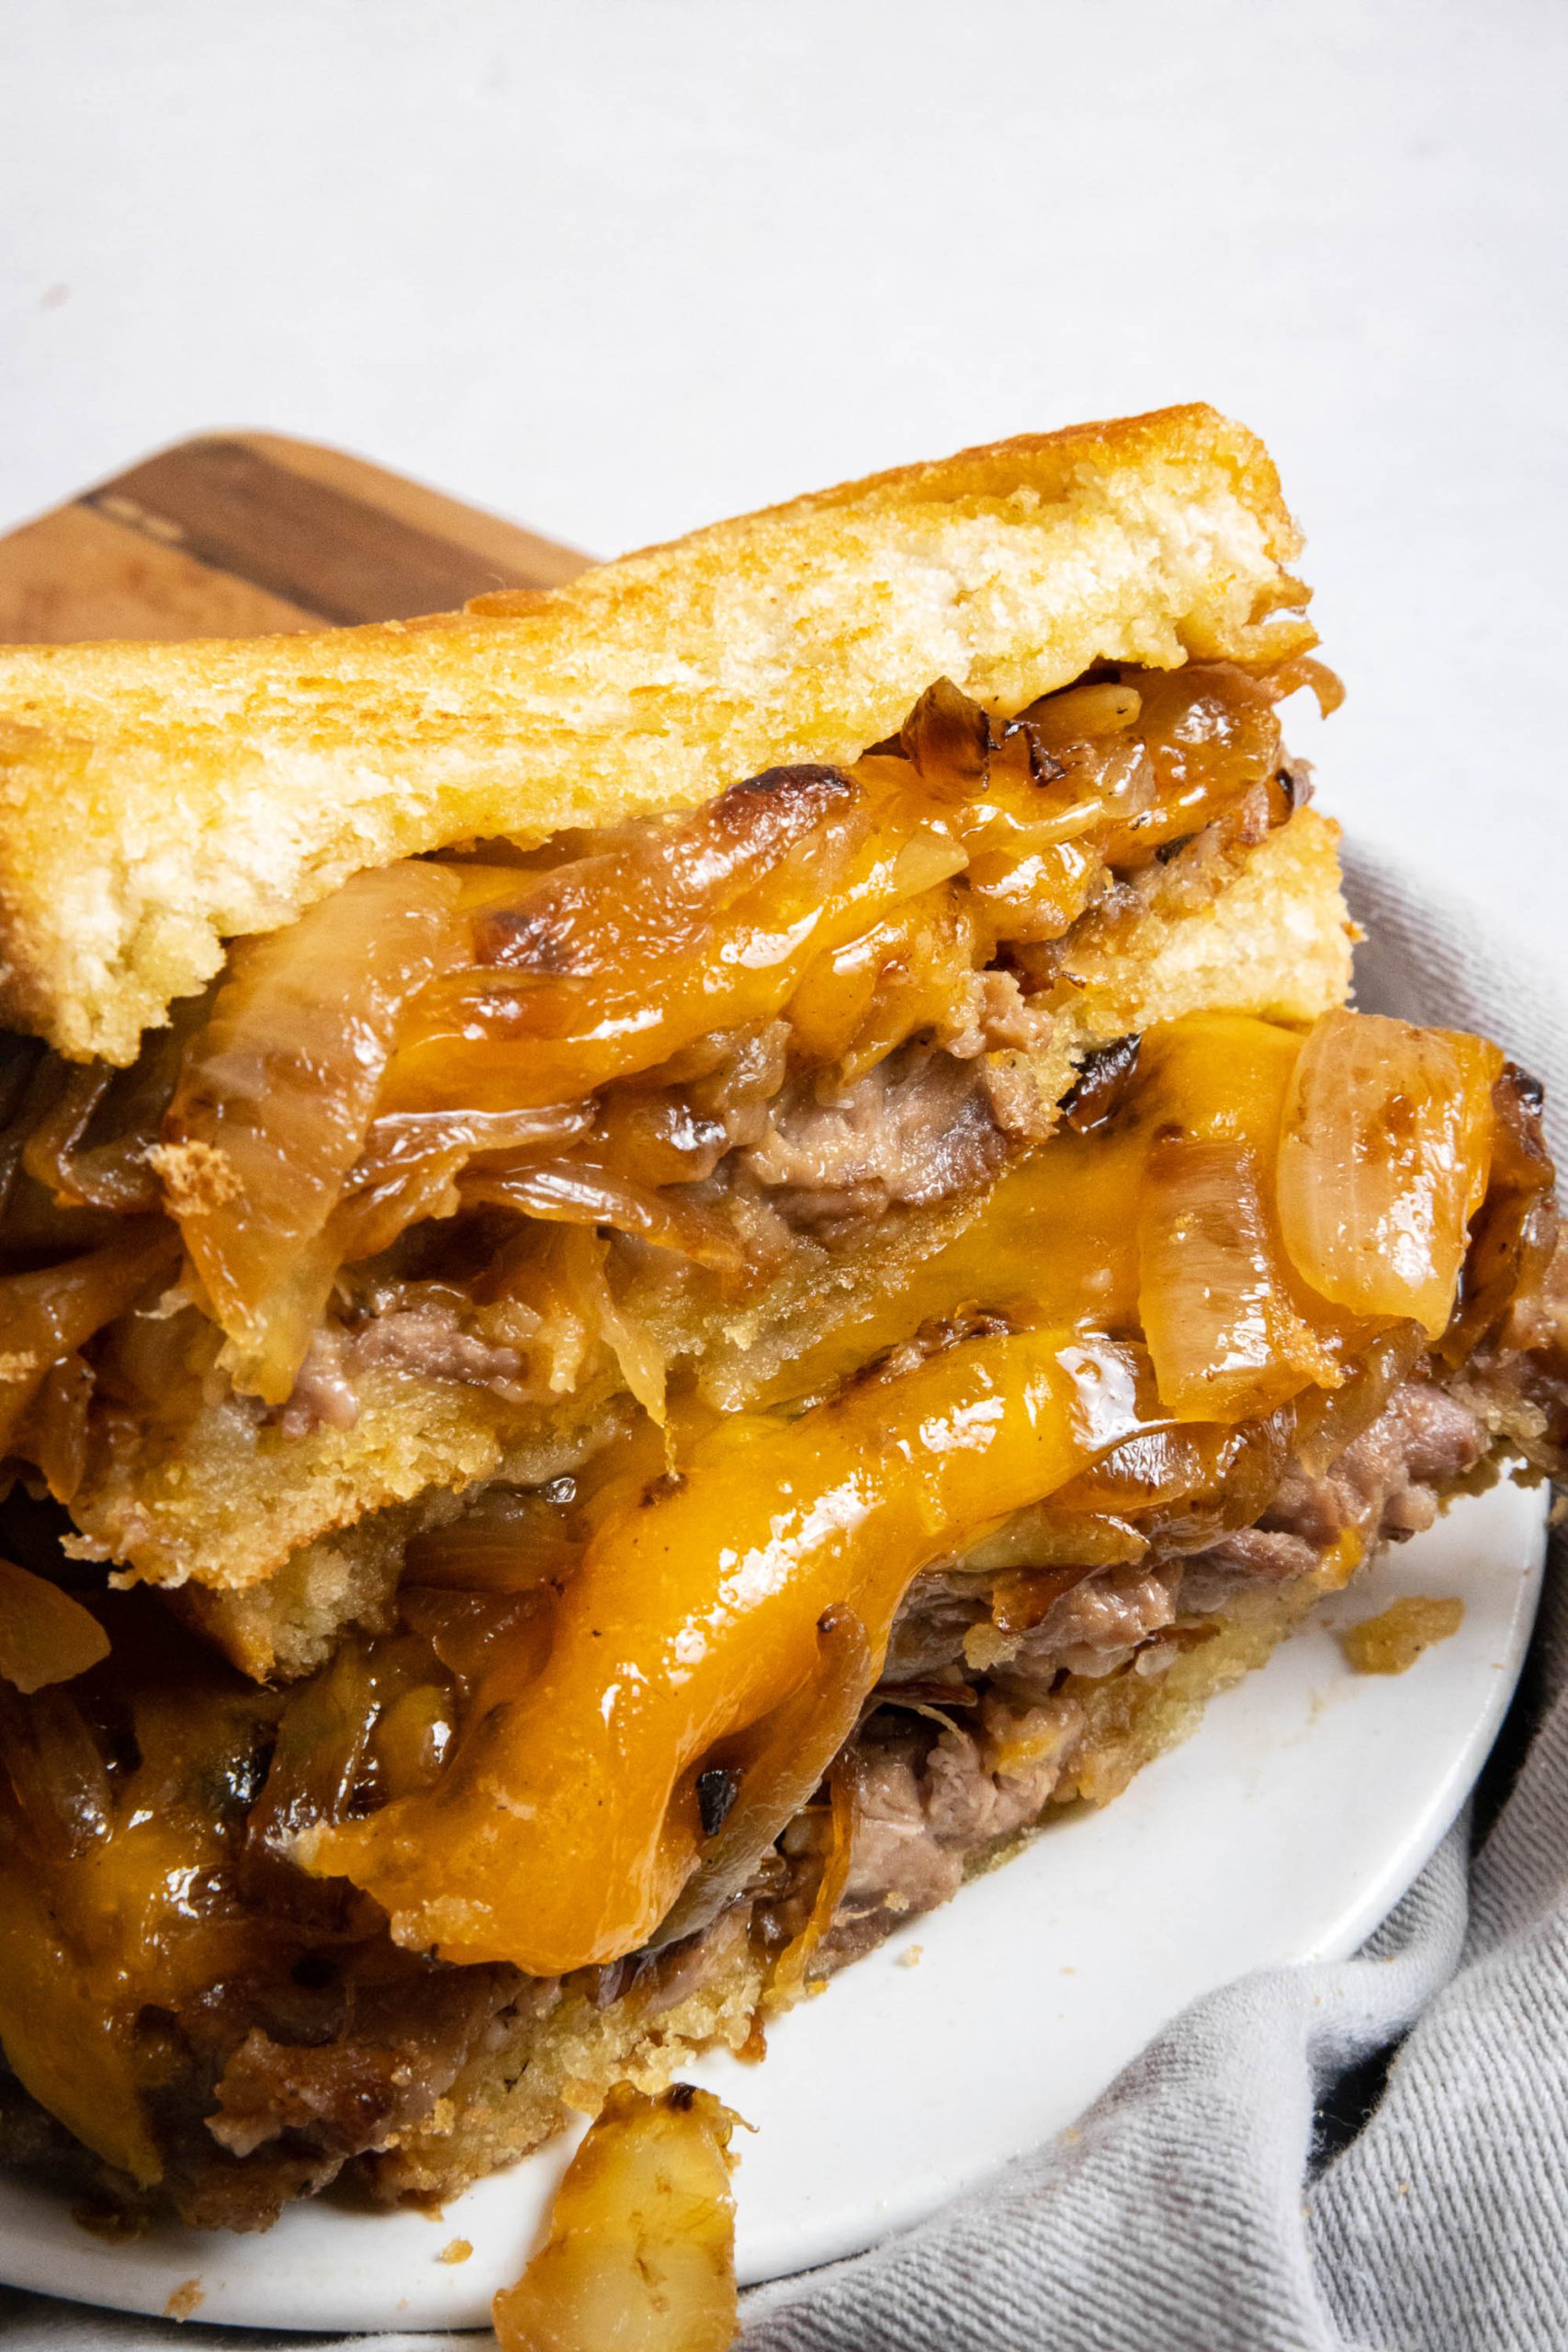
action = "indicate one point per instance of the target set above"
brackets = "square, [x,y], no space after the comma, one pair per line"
[158,799]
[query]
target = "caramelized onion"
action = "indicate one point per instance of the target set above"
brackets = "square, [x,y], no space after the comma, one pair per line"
[1225,1340]
[640,2255]
[1104,1076]
[1304,670]
[1515,1233]
[411,1738]
[657,1135]
[1210,734]
[47,1155]
[1383,1159]
[45,1636]
[115,1882]
[575,1193]
[53,1431]
[324,1736]
[1186,1484]
[949,740]
[46,1315]
[510,1543]
[659,885]
[55,1767]
[64,2040]
[643,1365]
[410,1165]
[1052,1538]
[1244,1467]
[277,1095]
[791,1969]
[1327,1422]
[1024,1598]
[473,1634]
[126,1108]
[1080,714]
[610,967]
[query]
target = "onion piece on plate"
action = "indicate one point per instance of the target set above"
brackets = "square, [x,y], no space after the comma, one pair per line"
[641,2249]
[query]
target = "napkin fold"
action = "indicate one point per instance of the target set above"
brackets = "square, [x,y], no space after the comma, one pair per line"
[1259,2180]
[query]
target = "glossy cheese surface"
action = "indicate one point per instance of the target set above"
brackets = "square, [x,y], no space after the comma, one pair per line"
[512,1772]
[572,1823]
[1142,1282]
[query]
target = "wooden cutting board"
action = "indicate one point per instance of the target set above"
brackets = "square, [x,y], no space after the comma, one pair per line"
[233,534]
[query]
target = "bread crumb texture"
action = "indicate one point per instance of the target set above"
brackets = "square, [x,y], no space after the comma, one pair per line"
[156,800]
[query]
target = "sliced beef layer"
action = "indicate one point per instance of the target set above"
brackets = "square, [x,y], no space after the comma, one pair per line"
[274,2083]
[273,2087]
[428,1340]
[926,1805]
[926,1125]
[931,1799]
[1389,1481]
[916,1129]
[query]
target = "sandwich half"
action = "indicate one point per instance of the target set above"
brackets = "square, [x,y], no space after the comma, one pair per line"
[673,1254]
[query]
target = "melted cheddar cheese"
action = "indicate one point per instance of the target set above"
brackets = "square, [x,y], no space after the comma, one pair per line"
[513,1774]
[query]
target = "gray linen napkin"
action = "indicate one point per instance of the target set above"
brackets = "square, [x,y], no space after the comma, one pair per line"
[1211,2201]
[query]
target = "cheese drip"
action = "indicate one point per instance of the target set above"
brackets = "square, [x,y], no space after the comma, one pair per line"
[519,1766]
[571,1823]
[706,1605]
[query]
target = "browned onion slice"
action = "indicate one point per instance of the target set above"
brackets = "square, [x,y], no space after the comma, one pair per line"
[510,1542]
[791,1970]
[277,1095]
[575,1193]
[45,1636]
[400,1140]
[1304,670]
[1383,1159]
[1224,1337]
[409,1167]
[49,1150]
[47,1314]
[640,2255]
[125,1107]
[52,1432]
[56,1769]
[1080,714]
[949,739]
[1513,1237]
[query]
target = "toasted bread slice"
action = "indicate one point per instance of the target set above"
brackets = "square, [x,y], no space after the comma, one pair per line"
[158,799]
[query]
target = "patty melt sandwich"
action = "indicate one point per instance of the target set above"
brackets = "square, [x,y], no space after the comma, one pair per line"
[673,1254]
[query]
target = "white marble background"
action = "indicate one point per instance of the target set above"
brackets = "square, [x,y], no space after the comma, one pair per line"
[618,267]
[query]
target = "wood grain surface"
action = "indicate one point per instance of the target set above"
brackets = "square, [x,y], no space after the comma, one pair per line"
[230,535]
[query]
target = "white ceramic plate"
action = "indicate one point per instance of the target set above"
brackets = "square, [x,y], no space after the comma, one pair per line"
[1306,1802]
